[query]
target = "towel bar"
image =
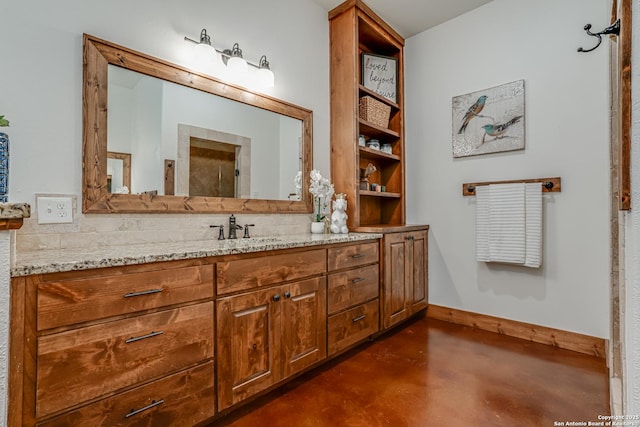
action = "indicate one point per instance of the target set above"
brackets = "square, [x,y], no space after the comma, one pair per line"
[549,185]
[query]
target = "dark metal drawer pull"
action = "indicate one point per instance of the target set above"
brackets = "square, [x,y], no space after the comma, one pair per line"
[357,256]
[359,318]
[149,406]
[359,279]
[137,294]
[151,335]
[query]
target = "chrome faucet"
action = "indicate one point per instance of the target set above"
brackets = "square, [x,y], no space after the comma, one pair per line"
[233,227]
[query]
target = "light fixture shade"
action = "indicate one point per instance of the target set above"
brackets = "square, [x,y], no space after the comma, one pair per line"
[264,75]
[205,57]
[237,65]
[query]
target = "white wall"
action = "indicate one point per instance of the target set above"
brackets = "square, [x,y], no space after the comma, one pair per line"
[567,98]
[41,72]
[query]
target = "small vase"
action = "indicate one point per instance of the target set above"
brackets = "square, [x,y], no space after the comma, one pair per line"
[317,227]
[4,167]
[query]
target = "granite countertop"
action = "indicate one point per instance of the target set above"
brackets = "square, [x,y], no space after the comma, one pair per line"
[15,210]
[54,261]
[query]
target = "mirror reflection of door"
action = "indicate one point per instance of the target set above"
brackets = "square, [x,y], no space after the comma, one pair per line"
[213,168]
[118,172]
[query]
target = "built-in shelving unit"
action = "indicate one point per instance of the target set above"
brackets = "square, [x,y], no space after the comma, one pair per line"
[355,29]
[367,209]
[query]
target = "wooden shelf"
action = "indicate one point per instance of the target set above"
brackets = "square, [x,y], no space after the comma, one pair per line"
[372,130]
[366,91]
[388,228]
[387,194]
[368,153]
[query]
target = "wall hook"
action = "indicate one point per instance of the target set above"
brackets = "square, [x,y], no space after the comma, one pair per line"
[612,29]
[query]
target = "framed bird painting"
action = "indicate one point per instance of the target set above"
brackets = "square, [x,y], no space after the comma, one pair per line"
[489,120]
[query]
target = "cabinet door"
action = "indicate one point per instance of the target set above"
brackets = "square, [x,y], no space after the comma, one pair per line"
[419,280]
[396,278]
[304,324]
[247,343]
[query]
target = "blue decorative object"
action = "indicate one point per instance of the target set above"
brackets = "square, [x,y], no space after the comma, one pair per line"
[4,167]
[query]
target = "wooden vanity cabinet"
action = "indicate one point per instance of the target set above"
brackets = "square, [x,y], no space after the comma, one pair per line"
[353,291]
[264,336]
[175,343]
[116,346]
[405,283]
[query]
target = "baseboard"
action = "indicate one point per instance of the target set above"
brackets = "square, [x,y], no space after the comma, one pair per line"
[541,334]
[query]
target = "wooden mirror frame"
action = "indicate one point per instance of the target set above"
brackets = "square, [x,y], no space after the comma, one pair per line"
[97,54]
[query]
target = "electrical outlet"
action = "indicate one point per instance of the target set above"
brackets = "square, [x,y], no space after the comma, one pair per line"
[55,210]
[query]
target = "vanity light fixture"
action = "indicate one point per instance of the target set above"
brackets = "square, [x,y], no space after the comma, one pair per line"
[264,73]
[233,59]
[206,56]
[235,62]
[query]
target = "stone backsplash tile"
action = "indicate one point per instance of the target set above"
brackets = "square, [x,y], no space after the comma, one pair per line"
[36,242]
[94,231]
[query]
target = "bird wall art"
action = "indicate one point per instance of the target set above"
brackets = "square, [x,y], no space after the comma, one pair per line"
[489,121]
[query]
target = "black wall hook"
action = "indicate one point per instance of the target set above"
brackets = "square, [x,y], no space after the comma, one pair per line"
[612,29]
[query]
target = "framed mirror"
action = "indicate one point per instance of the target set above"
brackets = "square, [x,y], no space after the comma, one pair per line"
[186,142]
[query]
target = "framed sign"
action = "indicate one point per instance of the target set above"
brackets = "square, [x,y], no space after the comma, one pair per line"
[379,73]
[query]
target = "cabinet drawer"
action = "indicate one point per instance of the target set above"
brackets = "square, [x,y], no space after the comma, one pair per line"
[352,326]
[74,301]
[352,287]
[352,256]
[83,364]
[250,273]
[185,398]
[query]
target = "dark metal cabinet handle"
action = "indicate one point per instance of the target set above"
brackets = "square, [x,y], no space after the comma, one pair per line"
[151,335]
[149,406]
[287,294]
[137,294]
[276,297]
[358,279]
[359,318]
[410,238]
[357,256]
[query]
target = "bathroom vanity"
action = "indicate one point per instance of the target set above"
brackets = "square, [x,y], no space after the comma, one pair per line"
[182,333]
[186,332]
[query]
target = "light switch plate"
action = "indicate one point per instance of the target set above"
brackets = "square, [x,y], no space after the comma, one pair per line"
[54,209]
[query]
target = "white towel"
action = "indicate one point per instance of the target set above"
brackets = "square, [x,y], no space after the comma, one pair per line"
[482,223]
[509,224]
[533,202]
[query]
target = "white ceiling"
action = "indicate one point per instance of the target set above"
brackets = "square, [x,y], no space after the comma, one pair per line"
[410,17]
